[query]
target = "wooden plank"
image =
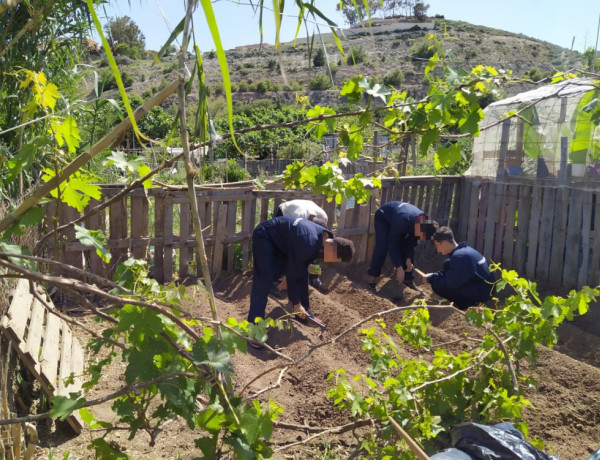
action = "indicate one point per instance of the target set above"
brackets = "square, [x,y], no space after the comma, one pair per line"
[572,246]
[329,208]
[69,214]
[595,244]
[168,241]
[473,212]
[522,229]
[495,195]
[159,230]
[542,270]
[230,231]
[139,224]
[248,220]
[117,230]
[559,234]
[511,220]
[533,233]
[450,195]
[95,222]
[462,210]
[264,209]
[65,360]
[481,215]
[50,349]
[500,225]
[19,310]
[456,195]
[32,347]
[220,223]
[586,228]
[185,232]
[77,362]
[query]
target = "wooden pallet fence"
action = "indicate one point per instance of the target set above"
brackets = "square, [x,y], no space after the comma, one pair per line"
[545,232]
[157,224]
[44,343]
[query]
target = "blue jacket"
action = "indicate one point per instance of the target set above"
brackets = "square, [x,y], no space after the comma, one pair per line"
[401,239]
[465,278]
[299,241]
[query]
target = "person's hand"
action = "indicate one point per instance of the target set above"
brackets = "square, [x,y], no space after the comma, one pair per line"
[400,274]
[300,312]
[409,265]
[282,283]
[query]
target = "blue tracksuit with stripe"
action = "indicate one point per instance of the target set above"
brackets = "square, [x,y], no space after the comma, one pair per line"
[394,234]
[465,278]
[283,244]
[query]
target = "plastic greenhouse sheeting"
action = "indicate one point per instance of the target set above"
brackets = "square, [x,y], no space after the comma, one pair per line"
[472,441]
[553,136]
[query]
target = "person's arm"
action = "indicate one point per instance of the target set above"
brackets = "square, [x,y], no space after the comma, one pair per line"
[457,272]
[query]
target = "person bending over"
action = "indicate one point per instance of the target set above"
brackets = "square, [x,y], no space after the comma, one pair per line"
[398,227]
[465,279]
[311,211]
[288,245]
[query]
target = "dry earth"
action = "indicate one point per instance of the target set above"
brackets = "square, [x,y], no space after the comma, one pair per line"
[565,410]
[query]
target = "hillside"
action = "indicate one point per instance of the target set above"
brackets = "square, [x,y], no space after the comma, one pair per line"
[381,50]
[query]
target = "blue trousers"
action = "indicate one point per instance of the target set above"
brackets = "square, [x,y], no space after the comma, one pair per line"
[268,266]
[382,243]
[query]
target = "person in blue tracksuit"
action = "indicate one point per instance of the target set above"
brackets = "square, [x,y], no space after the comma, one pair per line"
[465,279]
[287,245]
[398,227]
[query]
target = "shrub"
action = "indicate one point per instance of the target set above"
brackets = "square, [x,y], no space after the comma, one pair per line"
[319,58]
[395,79]
[243,87]
[263,86]
[320,82]
[357,55]
[224,172]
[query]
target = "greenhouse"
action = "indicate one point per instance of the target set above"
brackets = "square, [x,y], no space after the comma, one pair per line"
[552,135]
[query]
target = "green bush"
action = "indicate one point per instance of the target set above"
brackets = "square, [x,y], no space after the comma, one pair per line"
[243,87]
[395,79]
[319,58]
[357,55]
[224,172]
[320,82]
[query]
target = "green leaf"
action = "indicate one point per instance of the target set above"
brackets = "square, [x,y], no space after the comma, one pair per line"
[62,407]
[8,247]
[93,239]
[67,133]
[143,170]
[119,160]
[108,451]
[77,190]
[21,161]
[176,31]
[447,156]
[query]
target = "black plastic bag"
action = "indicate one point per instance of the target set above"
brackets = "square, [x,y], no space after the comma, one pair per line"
[498,442]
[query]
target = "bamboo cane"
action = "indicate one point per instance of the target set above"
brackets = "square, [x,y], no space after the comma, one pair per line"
[412,444]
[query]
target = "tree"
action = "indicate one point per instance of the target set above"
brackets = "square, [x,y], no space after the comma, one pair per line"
[319,58]
[356,12]
[124,30]
[420,10]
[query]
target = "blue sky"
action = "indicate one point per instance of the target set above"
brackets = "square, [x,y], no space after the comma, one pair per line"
[551,20]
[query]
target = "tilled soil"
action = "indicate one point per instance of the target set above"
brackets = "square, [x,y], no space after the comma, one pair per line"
[565,410]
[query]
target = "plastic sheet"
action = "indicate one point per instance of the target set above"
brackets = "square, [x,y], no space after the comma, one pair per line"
[472,441]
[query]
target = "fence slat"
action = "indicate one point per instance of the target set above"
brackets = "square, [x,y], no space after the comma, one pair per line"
[220,225]
[509,232]
[595,262]
[586,227]
[572,244]
[533,233]
[230,231]
[168,239]
[185,231]
[139,224]
[547,224]
[524,210]
[563,195]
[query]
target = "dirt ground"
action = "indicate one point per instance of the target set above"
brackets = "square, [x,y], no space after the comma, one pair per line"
[565,410]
